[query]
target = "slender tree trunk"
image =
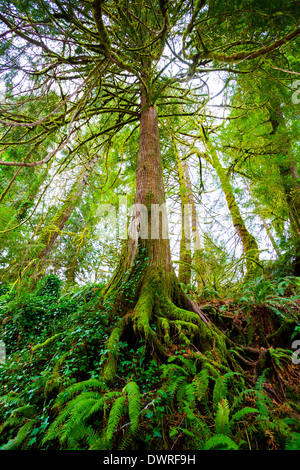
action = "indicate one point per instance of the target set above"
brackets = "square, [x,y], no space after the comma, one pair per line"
[185,256]
[72,267]
[251,251]
[38,180]
[49,234]
[198,260]
[267,228]
[290,178]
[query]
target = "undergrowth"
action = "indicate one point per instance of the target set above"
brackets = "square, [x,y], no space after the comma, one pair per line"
[52,394]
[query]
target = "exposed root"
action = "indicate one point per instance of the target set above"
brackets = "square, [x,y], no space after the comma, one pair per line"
[156,318]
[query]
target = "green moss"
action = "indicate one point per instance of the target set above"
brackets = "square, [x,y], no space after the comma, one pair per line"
[46,343]
[112,347]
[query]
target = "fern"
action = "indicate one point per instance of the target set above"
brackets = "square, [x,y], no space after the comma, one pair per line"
[21,436]
[220,388]
[183,382]
[129,438]
[81,402]
[220,443]
[222,425]
[279,355]
[199,430]
[66,395]
[241,413]
[200,384]
[116,412]
[76,412]
[134,403]
[293,441]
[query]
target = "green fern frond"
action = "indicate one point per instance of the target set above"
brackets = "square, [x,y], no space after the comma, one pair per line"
[189,364]
[199,426]
[187,393]
[94,440]
[117,410]
[259,386]
[220,443]
[134,403]
[220,389]
[66,395]
[22,434]
[293,441]
[79,413]
[176,384]
[171,370]
[222,424]
[243,412]
[129,438]
[81,407]
[200,384]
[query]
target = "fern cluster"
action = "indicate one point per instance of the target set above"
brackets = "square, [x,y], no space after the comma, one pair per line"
[216,412]
[89,415]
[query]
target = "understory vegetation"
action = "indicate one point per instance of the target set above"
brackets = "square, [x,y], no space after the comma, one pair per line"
[53,396]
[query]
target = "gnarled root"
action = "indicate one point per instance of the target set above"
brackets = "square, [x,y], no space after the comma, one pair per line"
[163,315]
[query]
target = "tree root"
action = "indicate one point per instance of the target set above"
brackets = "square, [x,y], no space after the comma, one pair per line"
[156,318]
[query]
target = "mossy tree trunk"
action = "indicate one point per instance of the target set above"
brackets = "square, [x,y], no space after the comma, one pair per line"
[290,178]
[50,233]
[144,292]
[259,211]
[47,236]
[250,247]
[185,253]
[73,263]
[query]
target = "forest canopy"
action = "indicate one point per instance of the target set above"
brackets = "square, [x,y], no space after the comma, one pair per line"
[149,224]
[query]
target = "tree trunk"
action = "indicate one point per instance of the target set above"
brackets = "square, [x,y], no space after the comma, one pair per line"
[73,264]
[198,259]
[185,256]
[267,228]
[144,292]
[49,234]
[290,180]
[251,251]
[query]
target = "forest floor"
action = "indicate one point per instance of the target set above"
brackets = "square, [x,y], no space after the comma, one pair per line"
[53,397]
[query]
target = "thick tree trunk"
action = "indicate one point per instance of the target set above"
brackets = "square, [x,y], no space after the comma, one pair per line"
[144,292]
[150,190]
